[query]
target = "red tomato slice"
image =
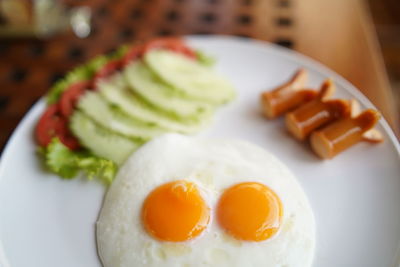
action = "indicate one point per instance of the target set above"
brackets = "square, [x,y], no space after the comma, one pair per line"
[66,137]
[46,125]
[105,71]
[174,44]
[71,95]
[52,124]
[135,52]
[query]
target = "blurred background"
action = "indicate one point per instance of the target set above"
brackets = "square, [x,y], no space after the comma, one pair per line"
[40,40]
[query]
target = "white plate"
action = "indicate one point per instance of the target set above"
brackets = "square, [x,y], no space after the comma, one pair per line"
[47,222]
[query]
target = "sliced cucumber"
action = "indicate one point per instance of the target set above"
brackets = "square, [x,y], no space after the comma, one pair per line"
[190,77]
[147,85]
[111,117]
[115,91]
[102,142]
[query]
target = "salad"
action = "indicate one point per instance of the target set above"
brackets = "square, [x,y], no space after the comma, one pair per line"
[104,110]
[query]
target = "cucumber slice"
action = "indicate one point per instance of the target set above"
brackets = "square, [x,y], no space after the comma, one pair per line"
[100,141]
[190,77]
[115,91]
[112,118]
[146,84]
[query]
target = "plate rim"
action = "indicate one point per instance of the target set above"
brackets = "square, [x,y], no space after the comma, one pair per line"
[284,52]
[316,66]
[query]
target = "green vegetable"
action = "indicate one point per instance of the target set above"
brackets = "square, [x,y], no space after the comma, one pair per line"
[68,164]
[83,72]
[100,141]
[111,117]
[143,82]
[120,52]
[204,59]
[162,92]
[115,91]
[192,79]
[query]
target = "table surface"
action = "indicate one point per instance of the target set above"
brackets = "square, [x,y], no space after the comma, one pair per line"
[345,43]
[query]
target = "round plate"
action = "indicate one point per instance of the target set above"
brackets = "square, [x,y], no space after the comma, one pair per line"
[46,221]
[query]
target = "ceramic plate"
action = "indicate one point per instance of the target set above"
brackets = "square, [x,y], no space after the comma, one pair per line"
[46,221]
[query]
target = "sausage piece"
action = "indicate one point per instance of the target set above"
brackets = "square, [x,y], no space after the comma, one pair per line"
[287,96]
[316,113]
[344,133]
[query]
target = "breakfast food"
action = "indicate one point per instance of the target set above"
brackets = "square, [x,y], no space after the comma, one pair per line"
[346,132]
[314,114]
[288,96]
[180,201]
[106,109]
[334,125]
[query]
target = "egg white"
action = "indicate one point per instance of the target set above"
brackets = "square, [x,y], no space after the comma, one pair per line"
[213,165]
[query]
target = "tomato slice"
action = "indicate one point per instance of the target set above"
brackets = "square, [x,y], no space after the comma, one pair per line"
[134,53]
[66,137]
[105,71]
[46,125]
[71,95]
[174,44]
[53,124]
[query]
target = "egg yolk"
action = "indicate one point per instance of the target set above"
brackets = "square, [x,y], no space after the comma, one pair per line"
[175,212]
[250,211]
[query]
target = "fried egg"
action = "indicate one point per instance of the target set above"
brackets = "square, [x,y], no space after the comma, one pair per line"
[186,202]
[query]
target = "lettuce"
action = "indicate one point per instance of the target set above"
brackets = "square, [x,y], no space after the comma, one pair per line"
[205,59]
[119,52]
[84,72]
[68,164]
[81,73]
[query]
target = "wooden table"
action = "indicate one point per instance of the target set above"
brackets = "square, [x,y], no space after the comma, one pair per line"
[338,33]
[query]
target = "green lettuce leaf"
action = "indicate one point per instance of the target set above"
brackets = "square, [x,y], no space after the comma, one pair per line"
[68,164]
[205,59]
[119,52]
[81,73]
